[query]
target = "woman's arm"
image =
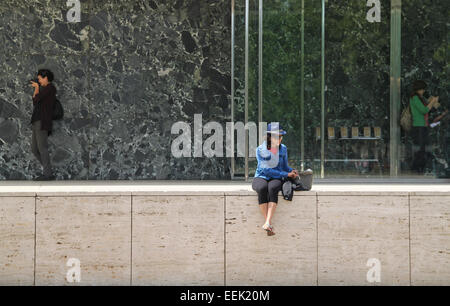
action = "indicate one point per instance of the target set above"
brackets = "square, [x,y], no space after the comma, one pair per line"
[36,91]
[417,104]
[45,92]
[438,118]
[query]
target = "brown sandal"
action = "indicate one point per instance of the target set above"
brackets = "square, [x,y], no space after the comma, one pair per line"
[268,229]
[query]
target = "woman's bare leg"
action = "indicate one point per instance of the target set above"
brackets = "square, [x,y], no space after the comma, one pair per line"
[264,208]
[270,212]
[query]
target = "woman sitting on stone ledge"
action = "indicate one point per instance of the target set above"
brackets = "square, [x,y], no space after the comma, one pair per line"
[270,171]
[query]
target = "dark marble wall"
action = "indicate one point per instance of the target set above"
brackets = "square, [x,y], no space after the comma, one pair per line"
[125,74]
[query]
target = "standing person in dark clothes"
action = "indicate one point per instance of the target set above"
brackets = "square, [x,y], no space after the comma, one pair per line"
[43,101]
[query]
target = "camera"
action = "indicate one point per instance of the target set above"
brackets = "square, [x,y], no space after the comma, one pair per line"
[33,80]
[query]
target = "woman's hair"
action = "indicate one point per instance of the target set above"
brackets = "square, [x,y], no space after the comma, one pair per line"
[417,85]
[46,73]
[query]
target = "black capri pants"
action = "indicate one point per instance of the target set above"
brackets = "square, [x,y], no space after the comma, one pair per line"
[267,190]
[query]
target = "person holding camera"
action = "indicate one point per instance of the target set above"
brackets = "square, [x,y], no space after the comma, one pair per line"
[41,120]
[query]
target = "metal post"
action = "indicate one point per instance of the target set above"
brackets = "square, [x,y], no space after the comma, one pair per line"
[302,90]
[260,71]
[232,89]
[322,121]
[395,90]
[246,86]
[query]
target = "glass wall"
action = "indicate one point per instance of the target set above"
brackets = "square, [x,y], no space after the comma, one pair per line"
[245,108]
[357,90]
[425,56]
[338,75]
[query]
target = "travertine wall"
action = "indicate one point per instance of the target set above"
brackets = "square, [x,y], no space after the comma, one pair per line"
[214,238]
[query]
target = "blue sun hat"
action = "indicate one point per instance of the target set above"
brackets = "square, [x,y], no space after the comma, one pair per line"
[275,128]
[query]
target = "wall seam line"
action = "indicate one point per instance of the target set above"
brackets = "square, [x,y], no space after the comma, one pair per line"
[35,235]
[131,242]
[409,236]
[317,239]
[224,240]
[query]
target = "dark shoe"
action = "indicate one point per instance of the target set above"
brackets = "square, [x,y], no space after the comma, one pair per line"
[45,178]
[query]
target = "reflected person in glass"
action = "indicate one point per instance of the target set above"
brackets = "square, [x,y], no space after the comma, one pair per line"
[420,126]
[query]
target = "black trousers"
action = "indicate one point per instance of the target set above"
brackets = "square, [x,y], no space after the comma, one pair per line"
[420,136]
[421,140]
[267,190]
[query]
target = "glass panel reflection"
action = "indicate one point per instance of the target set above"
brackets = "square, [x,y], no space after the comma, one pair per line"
[425,54]
[357,91]
[357,77]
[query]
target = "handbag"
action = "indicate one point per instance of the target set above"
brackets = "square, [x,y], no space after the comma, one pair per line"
[406,119]
[58,111]
[287,190]
[303,181]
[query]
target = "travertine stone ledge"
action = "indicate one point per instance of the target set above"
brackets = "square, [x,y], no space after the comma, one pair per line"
[213,237]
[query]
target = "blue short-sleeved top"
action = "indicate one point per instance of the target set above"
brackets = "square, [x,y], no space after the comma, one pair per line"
[266,168]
